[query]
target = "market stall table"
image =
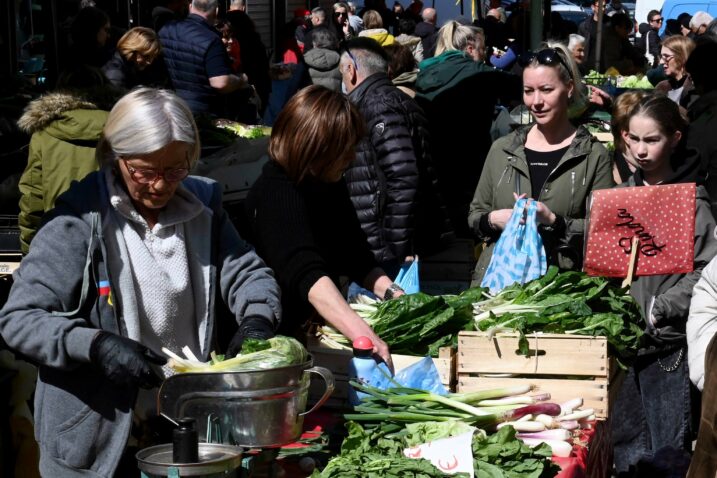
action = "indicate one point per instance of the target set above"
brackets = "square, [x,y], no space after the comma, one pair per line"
[591,458]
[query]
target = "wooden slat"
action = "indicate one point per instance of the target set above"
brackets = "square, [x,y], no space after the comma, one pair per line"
[551,354]
[595,393]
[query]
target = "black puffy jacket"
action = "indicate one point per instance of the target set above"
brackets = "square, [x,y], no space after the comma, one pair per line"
[125,75]
[392,182]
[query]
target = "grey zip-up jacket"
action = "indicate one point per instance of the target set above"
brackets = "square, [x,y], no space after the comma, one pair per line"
[665,299]
[585,166]
[63,293]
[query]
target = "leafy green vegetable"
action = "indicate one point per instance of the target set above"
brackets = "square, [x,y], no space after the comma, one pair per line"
[566,302]
[378,453]
[254,345]
[419,324]
[634,81]
[503,455]
[423,432]
[276,352]
[372,453]
[250,132]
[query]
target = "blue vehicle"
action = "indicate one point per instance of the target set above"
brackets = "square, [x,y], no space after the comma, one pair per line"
[673,8]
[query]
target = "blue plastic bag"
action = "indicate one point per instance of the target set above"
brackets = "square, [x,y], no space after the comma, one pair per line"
[519,255]
[407,277]
[422,375]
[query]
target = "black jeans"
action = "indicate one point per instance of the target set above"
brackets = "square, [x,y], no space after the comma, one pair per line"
[652,410]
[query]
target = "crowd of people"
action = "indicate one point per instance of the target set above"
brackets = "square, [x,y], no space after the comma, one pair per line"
[370,165]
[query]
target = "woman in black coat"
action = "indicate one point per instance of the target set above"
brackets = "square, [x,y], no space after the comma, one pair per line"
[137,61]
[301,219]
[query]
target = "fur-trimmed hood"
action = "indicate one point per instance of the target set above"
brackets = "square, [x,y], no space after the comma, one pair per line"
[48,108]
[67,115]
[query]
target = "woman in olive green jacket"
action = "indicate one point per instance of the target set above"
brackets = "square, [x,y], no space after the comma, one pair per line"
[65,128]
[550,161]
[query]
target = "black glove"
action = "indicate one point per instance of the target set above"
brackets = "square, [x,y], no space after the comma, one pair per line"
[125,362]
[250,327]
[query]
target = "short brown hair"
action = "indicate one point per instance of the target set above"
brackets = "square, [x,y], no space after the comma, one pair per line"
[316,129]
[139,40]
[372,19]
[401,60]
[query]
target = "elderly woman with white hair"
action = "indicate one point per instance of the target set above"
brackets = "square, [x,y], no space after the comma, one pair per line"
[700,22]
[135,257]
[576,47]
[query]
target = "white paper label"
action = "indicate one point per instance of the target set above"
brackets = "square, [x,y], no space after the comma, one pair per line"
[450,455]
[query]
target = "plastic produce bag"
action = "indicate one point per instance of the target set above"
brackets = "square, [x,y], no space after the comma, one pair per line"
[422,375]
[407,277]
[518,256]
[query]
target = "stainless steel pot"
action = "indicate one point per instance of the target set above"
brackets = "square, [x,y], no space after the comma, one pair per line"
[215,461]
[257,408]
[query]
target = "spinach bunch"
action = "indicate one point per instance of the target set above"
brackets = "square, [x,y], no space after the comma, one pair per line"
[502,455]
[374,453]
[377,452]
[420,324]
[565,302]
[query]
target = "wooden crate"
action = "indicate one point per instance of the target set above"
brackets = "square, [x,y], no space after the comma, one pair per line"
[338,362]
[566,366]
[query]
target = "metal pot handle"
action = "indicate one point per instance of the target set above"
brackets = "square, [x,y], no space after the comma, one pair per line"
[330,385]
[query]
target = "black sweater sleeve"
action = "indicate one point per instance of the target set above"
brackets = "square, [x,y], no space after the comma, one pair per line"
[294,245]
[283,237]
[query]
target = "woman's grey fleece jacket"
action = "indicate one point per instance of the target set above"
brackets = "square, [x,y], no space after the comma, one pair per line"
[56,306]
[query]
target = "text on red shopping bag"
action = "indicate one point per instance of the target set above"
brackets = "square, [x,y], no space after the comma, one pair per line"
[661,217]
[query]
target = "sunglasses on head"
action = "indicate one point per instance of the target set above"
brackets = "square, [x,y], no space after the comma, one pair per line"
[547,57]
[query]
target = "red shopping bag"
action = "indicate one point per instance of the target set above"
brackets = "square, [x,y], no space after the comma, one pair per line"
[662,218]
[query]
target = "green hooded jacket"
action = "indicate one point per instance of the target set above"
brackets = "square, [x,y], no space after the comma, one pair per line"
[586,166]
[445,71]
[65,130]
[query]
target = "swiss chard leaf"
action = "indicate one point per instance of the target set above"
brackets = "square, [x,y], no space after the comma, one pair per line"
[254,345]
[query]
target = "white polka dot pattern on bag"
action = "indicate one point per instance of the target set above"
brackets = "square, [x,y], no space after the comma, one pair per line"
[663,218]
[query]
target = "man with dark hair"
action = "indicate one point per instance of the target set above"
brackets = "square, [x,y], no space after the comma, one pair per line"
[684,19]
[391,182]
[197,60]
[649,43]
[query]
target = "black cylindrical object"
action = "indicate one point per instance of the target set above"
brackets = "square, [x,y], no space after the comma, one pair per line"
[185,442]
